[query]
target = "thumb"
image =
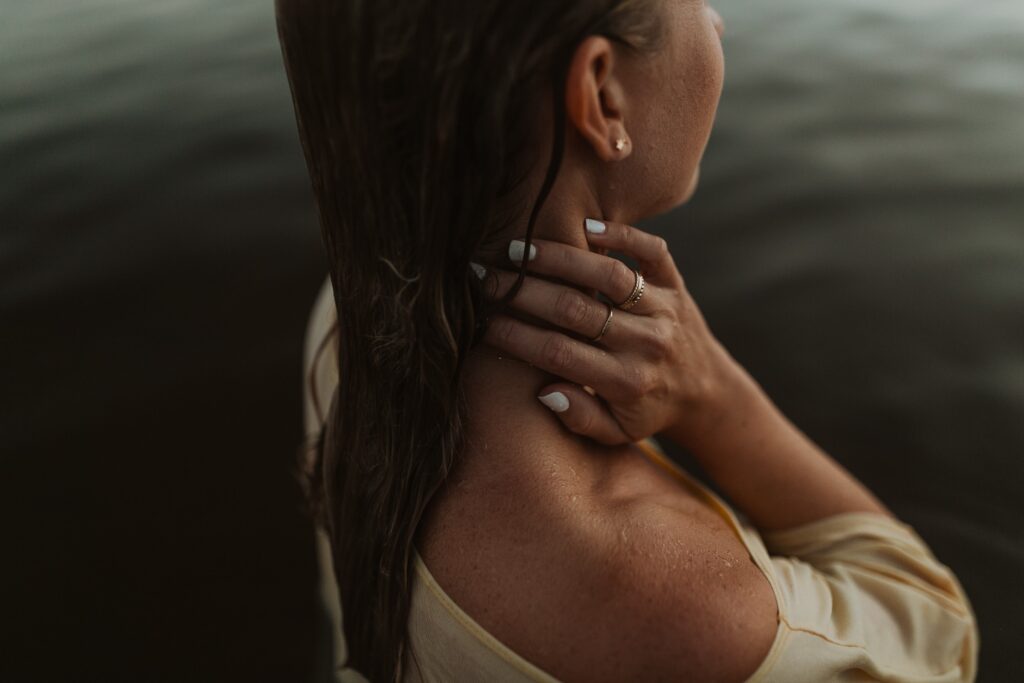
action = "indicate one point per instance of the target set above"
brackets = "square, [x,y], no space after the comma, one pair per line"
[583,413]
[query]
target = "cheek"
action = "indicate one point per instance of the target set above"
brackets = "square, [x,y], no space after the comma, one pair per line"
[679,125]
[697,94]
[702,88]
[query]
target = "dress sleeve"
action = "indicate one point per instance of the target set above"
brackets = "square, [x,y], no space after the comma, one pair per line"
[866,594]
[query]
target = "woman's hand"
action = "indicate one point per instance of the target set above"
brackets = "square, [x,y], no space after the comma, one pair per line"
[657,367]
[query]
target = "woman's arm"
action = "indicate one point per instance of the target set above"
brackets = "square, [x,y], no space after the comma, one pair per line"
[769,468]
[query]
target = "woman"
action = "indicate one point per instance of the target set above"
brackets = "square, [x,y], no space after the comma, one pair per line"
[483,470]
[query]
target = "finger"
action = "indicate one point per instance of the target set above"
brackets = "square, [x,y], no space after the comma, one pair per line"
[582,267]
[558,354]
[650,251]
[568,308]
[582,413]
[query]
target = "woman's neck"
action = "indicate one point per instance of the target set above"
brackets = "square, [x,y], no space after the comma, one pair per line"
[510,435]
[509,432]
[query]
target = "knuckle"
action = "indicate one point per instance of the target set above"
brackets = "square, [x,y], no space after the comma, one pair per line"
[658,340]
[558,353]
[632,384]
[660,247]
[571,309]
[561,258]
[644,381]
[620,276]
[628,236]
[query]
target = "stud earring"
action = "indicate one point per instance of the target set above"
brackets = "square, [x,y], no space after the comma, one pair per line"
[620,144]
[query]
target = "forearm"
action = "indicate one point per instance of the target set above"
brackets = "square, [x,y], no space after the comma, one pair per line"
[768,468]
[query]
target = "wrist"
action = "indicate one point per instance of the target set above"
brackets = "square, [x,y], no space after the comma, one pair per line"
[728,390]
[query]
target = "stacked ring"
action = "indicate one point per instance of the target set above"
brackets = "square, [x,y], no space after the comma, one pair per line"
[634,296]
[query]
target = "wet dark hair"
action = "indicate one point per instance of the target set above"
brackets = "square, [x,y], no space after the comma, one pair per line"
[416,119]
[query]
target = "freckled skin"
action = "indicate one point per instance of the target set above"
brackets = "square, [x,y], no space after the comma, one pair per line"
[540,534]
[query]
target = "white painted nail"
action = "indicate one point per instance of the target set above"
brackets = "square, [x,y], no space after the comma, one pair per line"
[596,227]
[480,271]
[556,400]
[515,250]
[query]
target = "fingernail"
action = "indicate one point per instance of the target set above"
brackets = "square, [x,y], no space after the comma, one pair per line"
[556,400]
[480,271]
[596,227]
[515,250]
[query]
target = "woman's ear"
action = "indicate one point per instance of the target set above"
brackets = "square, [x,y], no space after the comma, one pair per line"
[595,99]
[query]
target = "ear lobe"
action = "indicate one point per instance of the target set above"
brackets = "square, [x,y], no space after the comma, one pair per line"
[594,98]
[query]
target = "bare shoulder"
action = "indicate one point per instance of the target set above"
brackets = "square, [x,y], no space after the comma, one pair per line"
[654,587]
[683,601]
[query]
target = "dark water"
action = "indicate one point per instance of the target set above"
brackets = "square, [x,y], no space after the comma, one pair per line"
[857,242]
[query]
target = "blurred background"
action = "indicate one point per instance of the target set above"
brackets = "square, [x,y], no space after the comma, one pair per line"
[857,243]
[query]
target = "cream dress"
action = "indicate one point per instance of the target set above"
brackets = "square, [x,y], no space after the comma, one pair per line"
[860,596]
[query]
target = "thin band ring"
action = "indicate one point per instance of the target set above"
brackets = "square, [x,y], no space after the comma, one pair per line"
[634,296]
[607,323]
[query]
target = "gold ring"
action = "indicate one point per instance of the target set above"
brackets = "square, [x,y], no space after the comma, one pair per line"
[607,322]
[634,296]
